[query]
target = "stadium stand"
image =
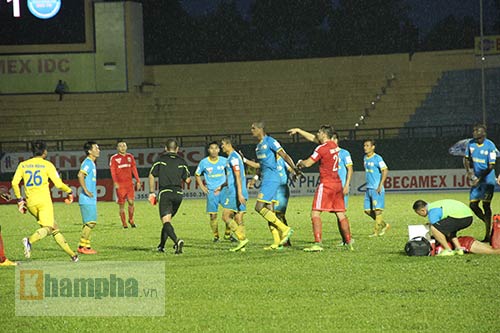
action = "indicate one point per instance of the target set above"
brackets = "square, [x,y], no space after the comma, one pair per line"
[456,99]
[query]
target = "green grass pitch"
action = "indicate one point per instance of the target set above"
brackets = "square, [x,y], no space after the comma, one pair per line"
[375,288]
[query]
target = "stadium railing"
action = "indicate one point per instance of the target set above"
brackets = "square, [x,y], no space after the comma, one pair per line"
[458,131]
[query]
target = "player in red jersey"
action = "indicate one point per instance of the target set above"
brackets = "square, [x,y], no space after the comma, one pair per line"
[329,196]
[3,259]
[470,245]
[122,166]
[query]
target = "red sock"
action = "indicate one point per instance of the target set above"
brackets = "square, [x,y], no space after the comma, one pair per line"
[317,228]
[2,252]
[345,230]
[123,218]
[131,214]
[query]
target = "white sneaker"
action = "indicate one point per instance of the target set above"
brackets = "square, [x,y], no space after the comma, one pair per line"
[27,247]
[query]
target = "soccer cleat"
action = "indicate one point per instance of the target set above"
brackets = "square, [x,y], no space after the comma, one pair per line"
[27,247]
[446,253]
[459,252]
[375,234]
[240,246]
[132,224]
[216,239]
[160,249]
[86,250]
[7,262]
[286,236]
[227,236]
[125,226]
[274,247]
[178,246]
[315,248]
[349,246]
[343,244]
[74,258]
[384,229]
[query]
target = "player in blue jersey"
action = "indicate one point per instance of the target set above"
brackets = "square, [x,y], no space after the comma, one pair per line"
[267,151]
[87,177]
[376,173]
[280,201]
[345,169]
[213,170]
[235,193]
[479,162]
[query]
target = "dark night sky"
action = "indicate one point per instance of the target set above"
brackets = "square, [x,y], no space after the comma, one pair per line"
[423,13]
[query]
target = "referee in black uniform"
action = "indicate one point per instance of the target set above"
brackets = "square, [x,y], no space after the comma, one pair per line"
[171,170]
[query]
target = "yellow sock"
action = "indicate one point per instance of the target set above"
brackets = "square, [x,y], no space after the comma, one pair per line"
[275,233]
[59,238]
[228,230]
[215,228]
[271,217]
[379,223]
[85,236]
[39,234]
[238,230]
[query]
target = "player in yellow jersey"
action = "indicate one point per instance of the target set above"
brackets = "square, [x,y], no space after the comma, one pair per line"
[35,173]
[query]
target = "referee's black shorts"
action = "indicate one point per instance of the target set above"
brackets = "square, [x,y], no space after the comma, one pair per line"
[169,202]
[450,225]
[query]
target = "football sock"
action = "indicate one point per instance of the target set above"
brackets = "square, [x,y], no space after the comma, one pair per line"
[340,230]
[379,223]
[345,230]
[271,217]
[39,234]
[317,226]
[227,232]
[238,230]
[59,238]
[164,235]
[123,218]
[487,219]
[275,233]
[85,236]
[2,251]
[170,231]
[131,209]
[215,227]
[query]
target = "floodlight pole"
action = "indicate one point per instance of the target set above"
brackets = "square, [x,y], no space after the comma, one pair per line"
[483,85]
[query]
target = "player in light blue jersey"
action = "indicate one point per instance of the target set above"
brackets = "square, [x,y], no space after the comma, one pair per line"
[376,173]
[345,168]
[267,151]
[280,200]
[213,169]
[235,193]
[479,162]
[87,177]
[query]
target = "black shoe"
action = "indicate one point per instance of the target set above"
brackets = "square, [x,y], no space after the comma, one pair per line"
[161,249]
[178,246]
[216,239]
[133,225]
[125,227]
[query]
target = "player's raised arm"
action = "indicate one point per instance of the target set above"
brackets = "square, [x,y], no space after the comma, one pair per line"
[308,136]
